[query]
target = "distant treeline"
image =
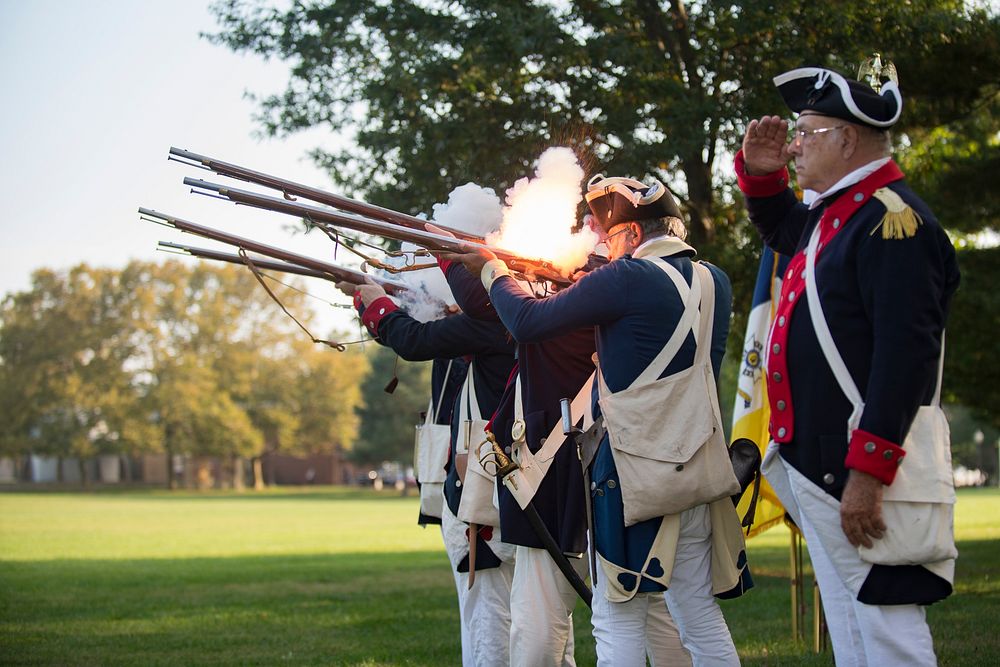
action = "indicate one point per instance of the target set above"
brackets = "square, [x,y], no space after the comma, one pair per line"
[188,359]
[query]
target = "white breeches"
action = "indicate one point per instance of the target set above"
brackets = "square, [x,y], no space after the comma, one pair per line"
[698,616]
[484,609]
[628,632]
[541,604]
[861,634]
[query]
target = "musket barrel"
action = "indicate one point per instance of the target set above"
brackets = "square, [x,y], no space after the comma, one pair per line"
[333,270]
[259,262]
[314,194]
[423,238]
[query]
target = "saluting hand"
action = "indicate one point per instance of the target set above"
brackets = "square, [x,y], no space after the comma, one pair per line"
[765,145]
[861,509]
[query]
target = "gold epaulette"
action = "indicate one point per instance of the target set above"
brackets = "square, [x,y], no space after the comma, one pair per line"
[900,221]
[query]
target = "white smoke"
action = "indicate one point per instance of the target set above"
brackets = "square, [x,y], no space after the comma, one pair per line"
[540,215]
[428,295]
[471,209]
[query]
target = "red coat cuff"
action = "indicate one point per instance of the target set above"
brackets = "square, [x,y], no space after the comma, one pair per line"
[445,264]
[358,304]
[375,311]
[874,455]
[767,185]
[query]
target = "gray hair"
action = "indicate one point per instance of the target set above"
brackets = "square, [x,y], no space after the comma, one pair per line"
[666,226]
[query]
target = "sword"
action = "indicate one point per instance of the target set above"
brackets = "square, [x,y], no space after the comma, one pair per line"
[505,466]
[585,450]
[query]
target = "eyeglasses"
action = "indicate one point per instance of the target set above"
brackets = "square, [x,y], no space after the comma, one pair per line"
[608,237]
[797,136]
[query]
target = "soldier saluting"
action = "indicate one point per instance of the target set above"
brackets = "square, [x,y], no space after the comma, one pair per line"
[854,352]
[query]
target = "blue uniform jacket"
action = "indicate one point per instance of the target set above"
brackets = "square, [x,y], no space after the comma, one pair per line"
[886,302]
[625,301]
[549,371]
[490,349]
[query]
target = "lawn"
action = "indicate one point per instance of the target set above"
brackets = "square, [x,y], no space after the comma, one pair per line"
[335,577]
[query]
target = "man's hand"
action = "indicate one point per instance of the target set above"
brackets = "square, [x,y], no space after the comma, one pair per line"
[370,291]
[861,509]
[765,145]
[473,259]
[347,288]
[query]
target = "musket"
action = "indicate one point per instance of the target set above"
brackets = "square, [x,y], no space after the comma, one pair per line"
[537,268]
[291,189]
[331,270]
[343,274]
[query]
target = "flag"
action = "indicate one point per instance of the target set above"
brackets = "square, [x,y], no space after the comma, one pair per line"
[751,412]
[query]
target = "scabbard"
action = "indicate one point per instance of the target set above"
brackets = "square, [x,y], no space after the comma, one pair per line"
[562,562]
[473,539]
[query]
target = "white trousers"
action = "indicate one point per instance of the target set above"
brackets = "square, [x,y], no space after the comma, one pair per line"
[484,610]
[628,632]
[861,634]
[541,610]
[698,616]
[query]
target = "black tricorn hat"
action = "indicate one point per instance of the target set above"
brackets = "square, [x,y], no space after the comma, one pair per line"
[617,200]
[826,92]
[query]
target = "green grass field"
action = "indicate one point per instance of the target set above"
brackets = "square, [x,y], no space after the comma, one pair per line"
[335,577]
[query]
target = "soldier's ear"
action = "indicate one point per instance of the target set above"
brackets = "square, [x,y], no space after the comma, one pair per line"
[849,140]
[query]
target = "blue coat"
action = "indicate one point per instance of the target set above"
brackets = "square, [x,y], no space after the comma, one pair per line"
[886,302]
[625,301]
[549,371]
[483,342]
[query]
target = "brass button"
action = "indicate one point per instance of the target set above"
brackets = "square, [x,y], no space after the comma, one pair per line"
[887,455]
[458,483]
[782,431]
[593,485]
[836,223]
[612,484]
[776,377]
[600,492]
[859,197]
[776,349]
[791,295]
[781,321]
[828,479]
[869,447]
[781,405]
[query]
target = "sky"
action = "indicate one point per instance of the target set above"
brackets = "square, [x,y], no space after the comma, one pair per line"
[94,95]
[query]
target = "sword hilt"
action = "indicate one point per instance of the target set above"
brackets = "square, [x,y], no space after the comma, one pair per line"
[504,463]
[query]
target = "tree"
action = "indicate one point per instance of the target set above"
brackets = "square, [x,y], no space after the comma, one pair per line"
[167,358]
[64,345]
[435,94]
[387,420]
[227,369]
